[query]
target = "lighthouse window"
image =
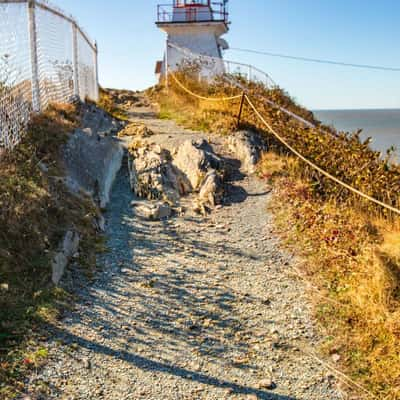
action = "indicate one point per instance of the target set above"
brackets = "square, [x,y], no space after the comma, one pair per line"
[183,3]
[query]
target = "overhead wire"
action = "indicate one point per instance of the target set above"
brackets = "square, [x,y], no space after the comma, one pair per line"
[317,60]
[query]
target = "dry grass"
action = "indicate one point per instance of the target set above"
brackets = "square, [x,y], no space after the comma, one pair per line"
[354,261]
[35,211]
[351,249]
[107,103]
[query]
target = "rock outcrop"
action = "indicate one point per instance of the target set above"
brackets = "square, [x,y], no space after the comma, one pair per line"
[153,177]
[92,156]
[157,175]
[247,147]
[195,159]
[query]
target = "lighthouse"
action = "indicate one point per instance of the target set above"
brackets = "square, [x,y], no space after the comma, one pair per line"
[195,25]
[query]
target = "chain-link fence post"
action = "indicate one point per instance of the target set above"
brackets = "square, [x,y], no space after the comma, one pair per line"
[96,70]
[75,60]
[33,55]
[167,66]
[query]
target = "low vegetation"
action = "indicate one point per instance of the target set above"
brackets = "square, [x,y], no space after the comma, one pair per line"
[35,211]
[107,102]
[349,246]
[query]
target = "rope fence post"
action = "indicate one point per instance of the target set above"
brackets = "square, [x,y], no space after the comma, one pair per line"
[75,60]
[241,109]
[33,55]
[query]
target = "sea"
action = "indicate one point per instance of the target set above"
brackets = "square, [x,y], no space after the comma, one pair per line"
[382,125]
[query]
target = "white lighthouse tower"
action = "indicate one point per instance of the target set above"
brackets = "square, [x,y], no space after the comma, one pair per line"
[196,25]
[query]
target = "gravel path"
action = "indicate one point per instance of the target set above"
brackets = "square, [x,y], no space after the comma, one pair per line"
[190,308]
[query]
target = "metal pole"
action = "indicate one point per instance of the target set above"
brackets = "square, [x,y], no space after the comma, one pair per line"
[34,56]
[96,71]
[75,59]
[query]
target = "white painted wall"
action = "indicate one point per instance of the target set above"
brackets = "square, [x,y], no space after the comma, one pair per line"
[199,39]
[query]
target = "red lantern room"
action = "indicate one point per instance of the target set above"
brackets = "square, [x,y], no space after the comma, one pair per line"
[193,11]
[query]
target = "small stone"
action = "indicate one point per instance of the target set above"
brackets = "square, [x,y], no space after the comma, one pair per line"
[86,363]
[335,358]
[240,360]
[152,211]
[4,287]
[266,384]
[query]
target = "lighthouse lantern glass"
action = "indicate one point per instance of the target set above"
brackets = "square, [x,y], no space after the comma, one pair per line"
[184,3]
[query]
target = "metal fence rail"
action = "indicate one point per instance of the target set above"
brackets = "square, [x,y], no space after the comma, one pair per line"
[212,66]
[45,57]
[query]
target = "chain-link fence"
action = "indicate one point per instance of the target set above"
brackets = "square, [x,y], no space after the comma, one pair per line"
[45,57]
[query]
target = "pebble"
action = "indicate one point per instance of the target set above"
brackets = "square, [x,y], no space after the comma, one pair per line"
[266,384]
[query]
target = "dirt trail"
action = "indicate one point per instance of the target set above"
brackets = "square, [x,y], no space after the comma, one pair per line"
[189,308]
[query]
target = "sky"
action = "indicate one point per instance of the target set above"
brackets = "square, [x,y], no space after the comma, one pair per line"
[352,31]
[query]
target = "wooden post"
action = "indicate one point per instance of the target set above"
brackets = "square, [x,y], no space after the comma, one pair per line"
[34,56]
[240,109]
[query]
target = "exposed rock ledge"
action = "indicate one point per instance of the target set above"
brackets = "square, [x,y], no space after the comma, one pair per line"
[192,168]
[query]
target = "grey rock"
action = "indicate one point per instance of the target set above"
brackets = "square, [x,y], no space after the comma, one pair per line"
[266,383]
[100,223]
[194,159]
[247,147]
[153,177]
[92,159]
[211,189]
[68,248]
[152,211]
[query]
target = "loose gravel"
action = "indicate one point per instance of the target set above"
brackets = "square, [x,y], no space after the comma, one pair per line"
[189,308]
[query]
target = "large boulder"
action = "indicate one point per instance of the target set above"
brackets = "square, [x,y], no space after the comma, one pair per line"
[153,177]
[247,147]
[195,159]
[157,176]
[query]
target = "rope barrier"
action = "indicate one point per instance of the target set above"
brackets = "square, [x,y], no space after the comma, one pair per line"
[285,143]
[184,88]
[310,163]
